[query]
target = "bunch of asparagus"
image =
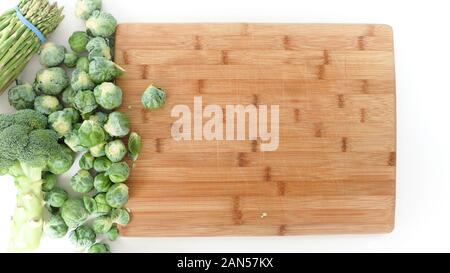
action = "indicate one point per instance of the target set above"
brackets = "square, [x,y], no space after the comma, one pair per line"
[18,43]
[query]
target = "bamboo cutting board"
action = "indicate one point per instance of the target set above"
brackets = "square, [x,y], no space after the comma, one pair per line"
[334,169]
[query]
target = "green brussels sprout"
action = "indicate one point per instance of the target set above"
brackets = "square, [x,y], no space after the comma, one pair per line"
[51,81]
[102,205]
[102,164]
[153,98]
[81,81]
[117,195]
[84,8]
[134,146]
[113,233]
[22,96]
[85,102]
[68,96]
[117,125]
[102,224]
[82,182]
[73,114]
[61,161]
[82,237]
[120,216]
[99,248]
[56,197]
[83,64]
[72,140]
[51,54]
[70,59]
[86,161]
[104,70]
[98,47]
[108,95]
[98,150]
[101,24]
[91,134]
[55,227]
[102,183]
[47,104]
[99,118]
[90,204]
[78,41]
[118,172]
[48,181]
[61,122]
[115,150]
[74,213]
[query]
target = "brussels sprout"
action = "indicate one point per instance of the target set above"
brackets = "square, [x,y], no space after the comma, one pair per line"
[55,227]
[134,146]
[91,134]
[153,98]
[99,248]
[104,70]
[82,182]
[72,140]
[51,55]
[120,216]
[115,150]
[99,118]
[61,122]
[61,161]
[47,104]
[82,237]
[108,95]
[101,24]
[81,81]
[102,205]
[74,213]
[102,164]
[113,233]
[22,96]
[98,150]
[85,102]
[98,47]
[118,172]
[84,8]
[117,195]
[68,96]
[70,59]
[56,197]
[90,204]
[86,161]
[102,224]
[51,81]
[102,183]
[73,114]
[117,125]
[83,64]
[48,181]
[78,41]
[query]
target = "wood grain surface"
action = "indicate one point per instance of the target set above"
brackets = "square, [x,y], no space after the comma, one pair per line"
[334,169]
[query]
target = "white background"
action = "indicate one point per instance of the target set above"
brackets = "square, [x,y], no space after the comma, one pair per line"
[422,47]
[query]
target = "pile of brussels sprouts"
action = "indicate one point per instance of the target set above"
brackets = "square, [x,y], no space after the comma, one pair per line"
[82,111]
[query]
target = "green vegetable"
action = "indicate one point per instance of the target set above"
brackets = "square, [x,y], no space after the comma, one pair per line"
[78,41]
[134,146]
[68,96]
[113,233]
[82,237]
[74,213]
[102,183]
[99,117]
[82,182]
[72,140]
[98,47]
[61,161]
[99,248]
[102,205]
[108,95]
[90,204]
[55,227]
[102,224]
[51,81]
[56,197]
[47,104]
[103,70]
[101,24]
[84,8]
[98,150]
[120,216]
[118,172]
[81,81]
[86,161]
[85,102]
[48,181]
[73,115]
[102,164]
[61,122]
[153,98]
[117,195]
[91,134]
[115,150]
[22,96]
[70,59]
[117,125]
[83,64]
[52,55]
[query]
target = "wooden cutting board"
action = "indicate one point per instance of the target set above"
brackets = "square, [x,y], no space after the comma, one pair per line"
[334,168]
